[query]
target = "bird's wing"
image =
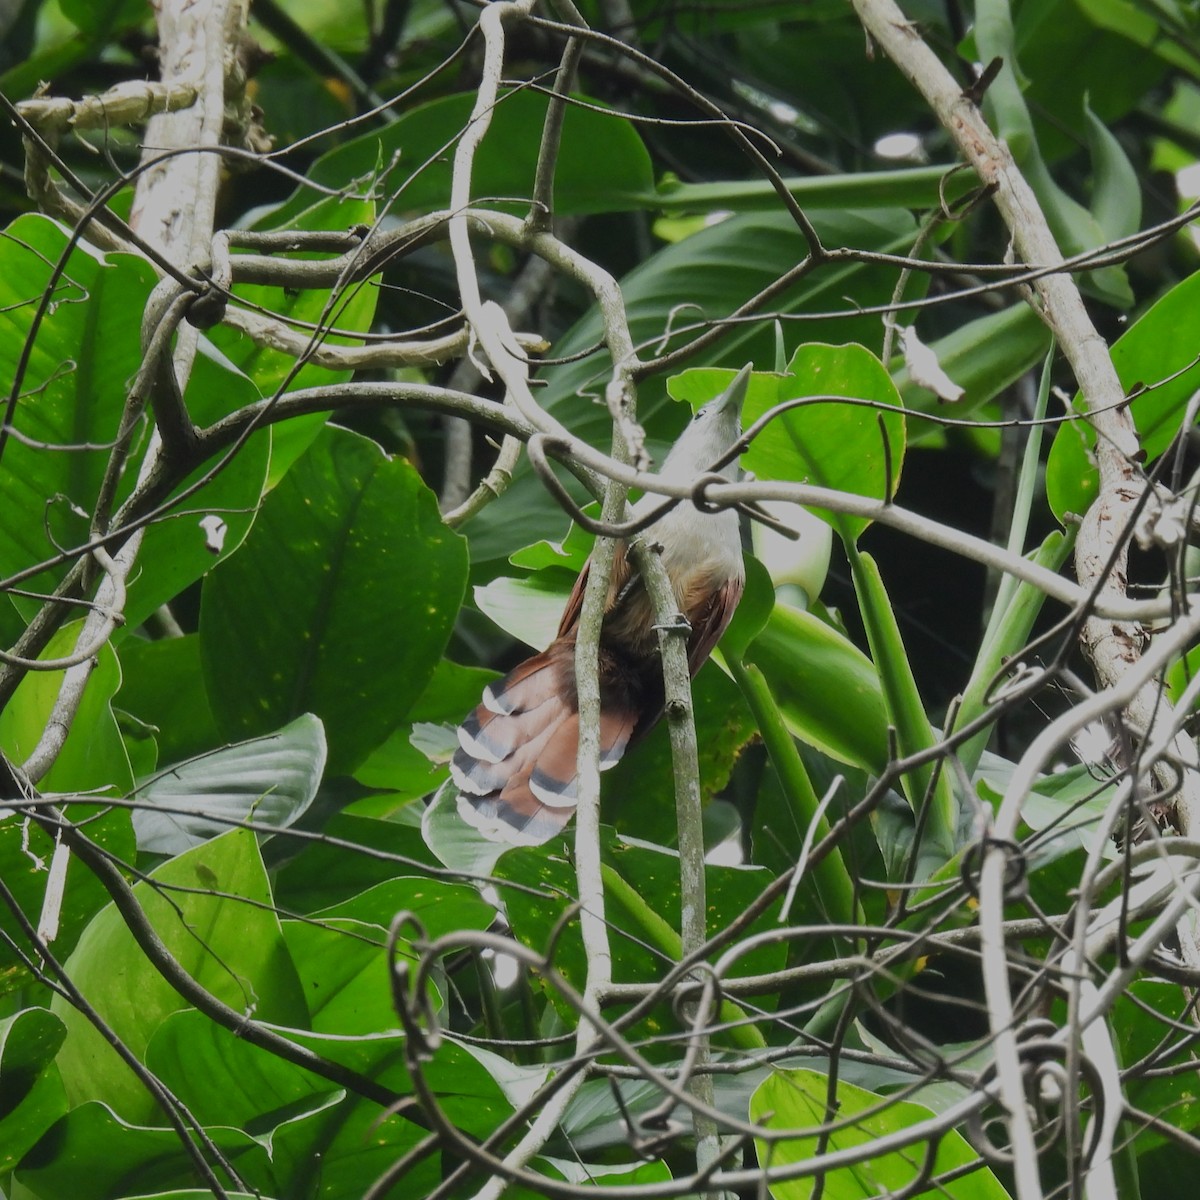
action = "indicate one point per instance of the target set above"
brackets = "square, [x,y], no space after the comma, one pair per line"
[621,573]
[710,618]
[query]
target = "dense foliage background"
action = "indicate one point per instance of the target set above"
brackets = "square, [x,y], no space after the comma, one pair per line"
[270,363]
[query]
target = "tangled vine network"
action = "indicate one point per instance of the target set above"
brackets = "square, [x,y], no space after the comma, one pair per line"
[954,952]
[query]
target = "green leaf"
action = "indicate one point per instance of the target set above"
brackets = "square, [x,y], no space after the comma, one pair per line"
[834,885]
[1141,27]
[29,1040]
[570,554]
[86,350]
[356,853]
[93,756]
[84,355]
[1071,57]
[752,613]
[98,19]
[799,654]
[457,844]
[638,793]
[602,165]
[162,685]
[341,956]
[441,907]
[363,582]
[351,310]
[212,909]
[293,1114]
[352,1149]
[652,872]
[398,766]
[798,1100]
[1010,633]
[602,1175]
[905,187]
[1157,353]
[270,780]
[344,968]
[93,1152]
[31,1095]
[226,1080]
[1074,227]
[853,448]
[1137,1022]
[528,608]
[195,1194]
[906,713]
[1117,192]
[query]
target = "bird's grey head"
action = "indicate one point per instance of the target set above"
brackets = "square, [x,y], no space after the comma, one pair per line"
[712,431]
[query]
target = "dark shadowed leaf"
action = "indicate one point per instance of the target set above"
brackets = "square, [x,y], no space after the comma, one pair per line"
[32,1095]
[362,582]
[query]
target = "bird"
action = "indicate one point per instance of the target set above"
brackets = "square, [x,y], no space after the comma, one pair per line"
[515,762]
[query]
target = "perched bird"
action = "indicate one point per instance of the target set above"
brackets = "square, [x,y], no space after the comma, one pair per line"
[515,766]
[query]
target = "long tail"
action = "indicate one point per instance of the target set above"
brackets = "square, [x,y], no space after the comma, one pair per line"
[515,763]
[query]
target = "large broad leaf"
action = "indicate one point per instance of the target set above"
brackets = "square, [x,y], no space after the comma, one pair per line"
[528,607]
[345,968]
[162,687]
[105,18]
[458,845]
[84,354]
[639,792]
[354,853]
[353,1147]
[225,1080]
[294,1114]
[351,310]
[339,604]
[843,89]
[1139,1022]
[31,1095]
[800,1100]
[92,1152]
[212,909]
[1066,48]
[827,690]
[1075,228]
[854,448]
[602,165]
[269,780]
[1144,29]
[1158,354]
